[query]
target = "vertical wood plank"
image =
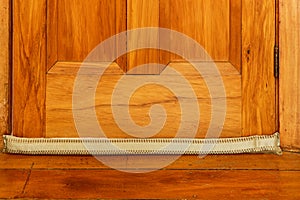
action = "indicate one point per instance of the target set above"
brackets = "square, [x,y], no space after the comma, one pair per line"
[52,38]
[29,66]
[205,21]
[235,47]
[140,14]
[164,22]
[4,65]
[82,25]
[121,26]
[258,82]
[290,73]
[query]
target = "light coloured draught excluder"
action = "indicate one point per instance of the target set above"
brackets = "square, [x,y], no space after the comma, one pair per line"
[105,146]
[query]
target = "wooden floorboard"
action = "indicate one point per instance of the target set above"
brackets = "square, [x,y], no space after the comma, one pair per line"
[246,176]
[182,184]
[287,162]
[12,182]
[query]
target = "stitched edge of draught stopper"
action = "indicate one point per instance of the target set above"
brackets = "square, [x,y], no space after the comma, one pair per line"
[77,146]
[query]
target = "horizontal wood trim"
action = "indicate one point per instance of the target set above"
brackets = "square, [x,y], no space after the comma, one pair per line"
[72,68]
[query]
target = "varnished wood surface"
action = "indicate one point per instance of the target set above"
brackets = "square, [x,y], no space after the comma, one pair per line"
[60,80]
[258,82]
[197,19]
[286,7]
[287,162]
[200,20]
[4,64]
[82,25]
[29,66]
[290,73]
[121,26]
[12,182]
[52,34]
[190,177]
[73,44]
[75,28]
[141,14]
[235,43]
[186,184]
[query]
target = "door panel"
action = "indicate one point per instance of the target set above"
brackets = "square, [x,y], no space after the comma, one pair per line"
[60,80]
[74,28]
[82,25]
[200,20]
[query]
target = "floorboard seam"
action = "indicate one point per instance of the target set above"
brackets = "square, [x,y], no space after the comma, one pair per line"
[27,179]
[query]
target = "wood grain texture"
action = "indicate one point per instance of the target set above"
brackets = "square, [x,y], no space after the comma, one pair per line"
[75,28]
[163,184]
[257,67]
[52,33]
[286,162]
[205,21]
[1,143]
[199,20]
[290,73]
[235,45]
[190,177]
[29,66]
[258,16]
[121,26]
[12,183]
[164,22]
[4,65]
[141,14]
[82,25]
[61,78]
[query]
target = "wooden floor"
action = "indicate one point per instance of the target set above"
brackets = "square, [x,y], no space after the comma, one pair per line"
[190,177]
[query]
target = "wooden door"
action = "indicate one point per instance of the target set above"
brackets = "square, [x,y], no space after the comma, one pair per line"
[52,38]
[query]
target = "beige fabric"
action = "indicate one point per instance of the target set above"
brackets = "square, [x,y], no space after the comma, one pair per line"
[104,146]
